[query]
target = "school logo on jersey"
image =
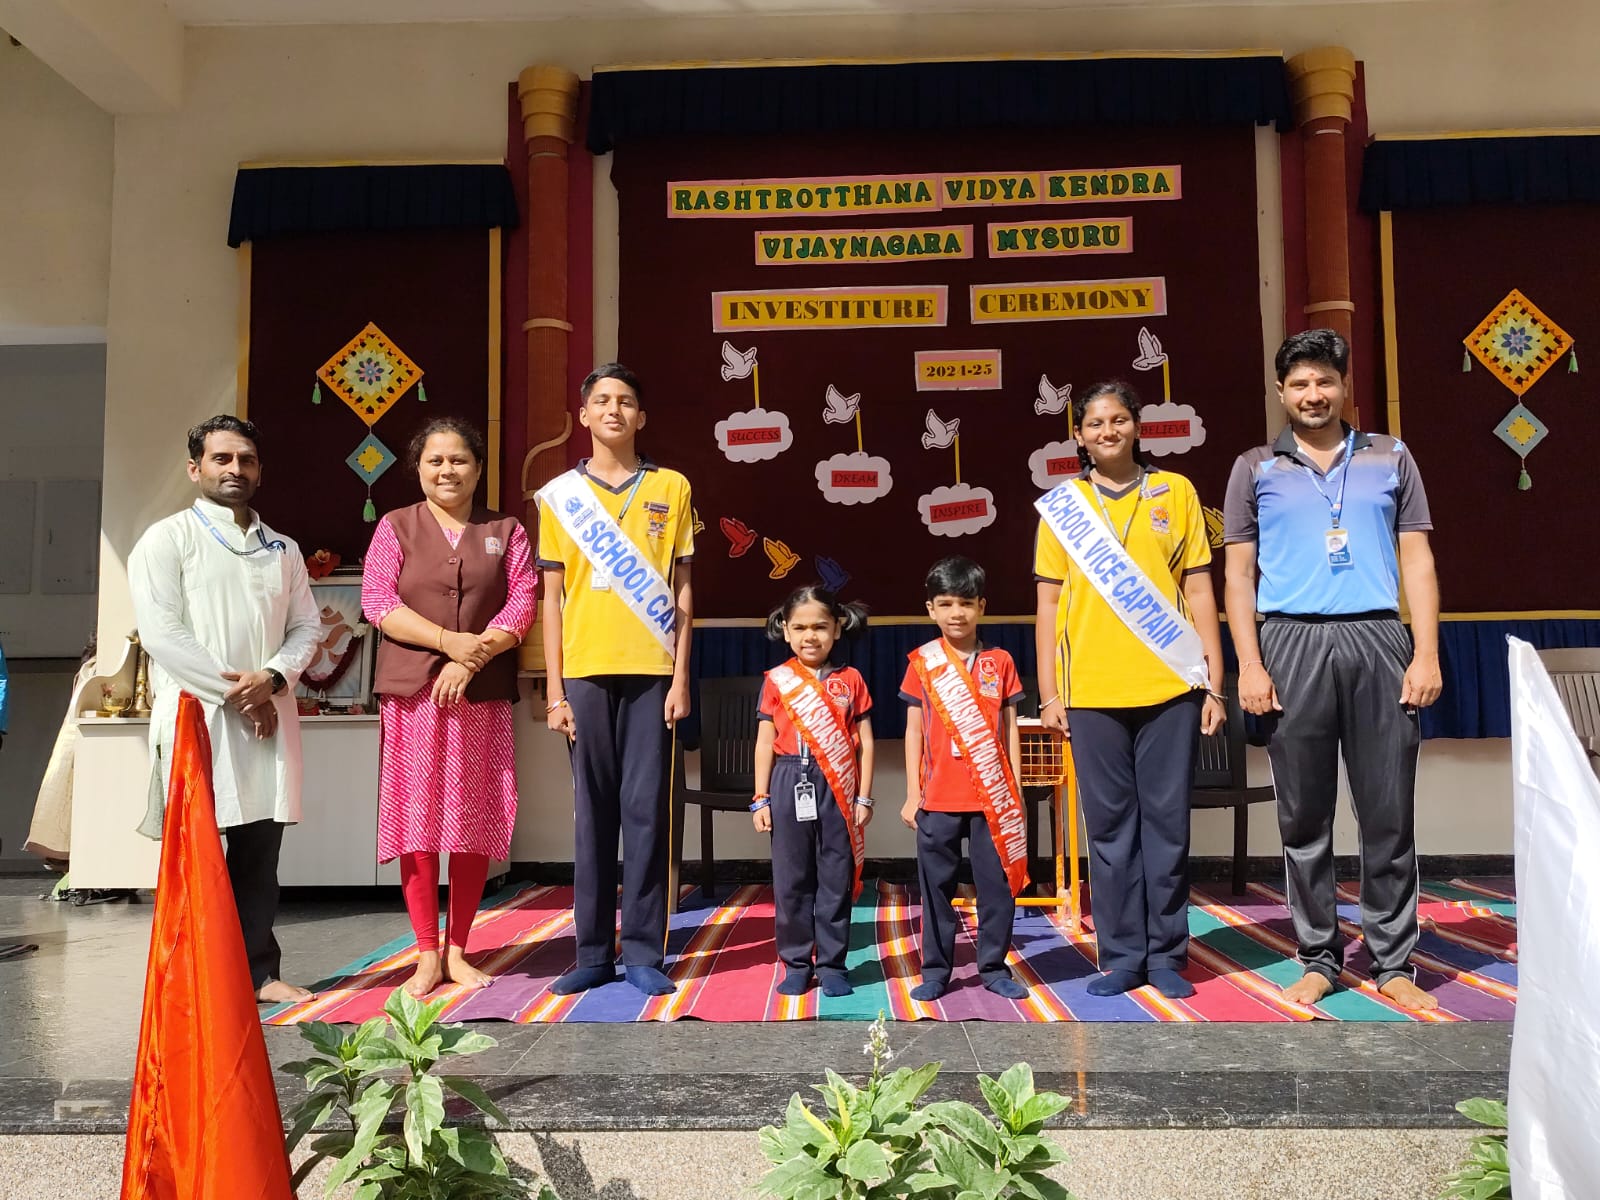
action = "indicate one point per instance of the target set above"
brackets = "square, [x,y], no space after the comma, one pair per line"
[838,691]
[493,546]
[1160,520]
[988,678]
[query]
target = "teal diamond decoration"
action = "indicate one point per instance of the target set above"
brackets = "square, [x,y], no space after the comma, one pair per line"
[1521,430]
[370,459]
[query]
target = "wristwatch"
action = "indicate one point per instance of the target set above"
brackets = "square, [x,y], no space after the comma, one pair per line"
[278,681]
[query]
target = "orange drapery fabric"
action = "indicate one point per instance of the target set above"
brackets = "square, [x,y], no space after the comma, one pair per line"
[203,1123]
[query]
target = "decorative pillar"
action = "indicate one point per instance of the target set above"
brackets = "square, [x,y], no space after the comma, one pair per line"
[1322,84]
[549,100]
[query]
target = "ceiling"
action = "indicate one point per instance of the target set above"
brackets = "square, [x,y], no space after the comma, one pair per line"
[365,12]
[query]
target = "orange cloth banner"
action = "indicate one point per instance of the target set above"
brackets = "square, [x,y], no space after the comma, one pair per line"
[203,1123]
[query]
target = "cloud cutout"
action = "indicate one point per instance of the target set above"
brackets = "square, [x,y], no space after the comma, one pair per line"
[1170,429]
[957,511]
[754,435]
[856,478]
[1053,463]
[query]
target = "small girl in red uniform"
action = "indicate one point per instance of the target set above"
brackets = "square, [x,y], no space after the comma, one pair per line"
[814,787]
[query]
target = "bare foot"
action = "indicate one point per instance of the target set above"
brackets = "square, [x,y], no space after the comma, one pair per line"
[1308,989]
[1408,995]
[426,977]
[276,991]
[459,970]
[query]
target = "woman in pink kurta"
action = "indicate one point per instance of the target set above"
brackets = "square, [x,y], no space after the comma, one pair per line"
[452,587]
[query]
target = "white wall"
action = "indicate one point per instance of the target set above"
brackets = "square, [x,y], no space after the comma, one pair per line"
[55,205]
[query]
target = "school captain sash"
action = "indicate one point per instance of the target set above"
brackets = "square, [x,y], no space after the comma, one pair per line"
[950,690]
[831,742]
[1122,583]
[613,555]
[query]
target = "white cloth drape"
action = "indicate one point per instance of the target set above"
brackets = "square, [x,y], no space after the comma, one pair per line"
[1554,1097]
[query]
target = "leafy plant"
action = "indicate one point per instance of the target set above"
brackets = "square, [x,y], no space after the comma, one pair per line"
[867,1147]
[1486,1174]
[363,1075]
[978,1159]
[876,1143]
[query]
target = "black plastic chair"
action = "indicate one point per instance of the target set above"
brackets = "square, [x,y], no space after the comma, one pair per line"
[1220,780]
[727,770]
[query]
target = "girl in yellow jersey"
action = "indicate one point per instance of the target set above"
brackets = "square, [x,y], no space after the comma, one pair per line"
[1133,720]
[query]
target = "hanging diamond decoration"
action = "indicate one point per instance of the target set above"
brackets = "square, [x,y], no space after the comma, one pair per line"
[1517,342]
[1522,431]
[370,374]
[370,459]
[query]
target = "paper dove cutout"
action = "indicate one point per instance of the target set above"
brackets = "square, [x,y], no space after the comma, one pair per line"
[699,525]
[833,575]
[737,364]
[840,407]
[940,435]
[782,558]
[740,536]
[1150,352]
[1051,398]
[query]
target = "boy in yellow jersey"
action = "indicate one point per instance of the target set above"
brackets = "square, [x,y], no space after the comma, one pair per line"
[616,536]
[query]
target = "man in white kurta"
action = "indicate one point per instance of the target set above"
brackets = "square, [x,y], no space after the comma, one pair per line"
[225,611]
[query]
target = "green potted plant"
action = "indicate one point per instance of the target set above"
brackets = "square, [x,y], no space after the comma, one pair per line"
[360,1077]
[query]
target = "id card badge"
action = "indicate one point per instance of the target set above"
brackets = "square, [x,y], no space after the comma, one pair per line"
[805,801]
[599,582]
[1338,543]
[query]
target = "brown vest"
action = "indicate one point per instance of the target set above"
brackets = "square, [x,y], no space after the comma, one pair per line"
[460,587]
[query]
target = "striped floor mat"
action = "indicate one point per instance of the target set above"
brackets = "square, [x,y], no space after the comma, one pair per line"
[723,960]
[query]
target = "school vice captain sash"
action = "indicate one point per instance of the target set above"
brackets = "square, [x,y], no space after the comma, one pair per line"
[949,689]
[1122,583]
[828,737]
[613,555]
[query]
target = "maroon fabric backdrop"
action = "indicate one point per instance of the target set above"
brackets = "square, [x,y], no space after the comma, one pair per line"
[428,290]
[1204,244]
[1498,549]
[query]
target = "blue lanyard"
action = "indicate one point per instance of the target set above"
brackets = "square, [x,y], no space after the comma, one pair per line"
[1336,504]
[1122,538]
[638,478]
[275,544]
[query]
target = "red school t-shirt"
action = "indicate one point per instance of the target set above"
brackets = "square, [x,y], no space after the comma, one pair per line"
[947,784]
[845,688]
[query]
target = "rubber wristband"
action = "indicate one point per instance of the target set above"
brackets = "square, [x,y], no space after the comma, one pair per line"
[864,801]
[760,803]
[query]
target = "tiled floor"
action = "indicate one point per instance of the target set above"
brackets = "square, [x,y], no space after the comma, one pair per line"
[72,1018]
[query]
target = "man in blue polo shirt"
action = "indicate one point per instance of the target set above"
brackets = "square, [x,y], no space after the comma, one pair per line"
[1321,526]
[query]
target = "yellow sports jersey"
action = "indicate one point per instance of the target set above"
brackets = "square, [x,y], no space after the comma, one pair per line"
[600,635]
[1100,663]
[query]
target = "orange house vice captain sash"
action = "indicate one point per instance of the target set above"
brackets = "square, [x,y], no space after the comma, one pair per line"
[831,743]
[949,688]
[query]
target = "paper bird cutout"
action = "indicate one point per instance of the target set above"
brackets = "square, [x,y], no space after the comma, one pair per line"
[1151,355]
[740,536]
[699,525]
[832,574]
[737,364]
[941,435]
[1051,398]
[782,558]
[1213,526]
[841,408]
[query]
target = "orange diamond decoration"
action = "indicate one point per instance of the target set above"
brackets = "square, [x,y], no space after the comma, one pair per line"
[1517,342]
[370,373]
